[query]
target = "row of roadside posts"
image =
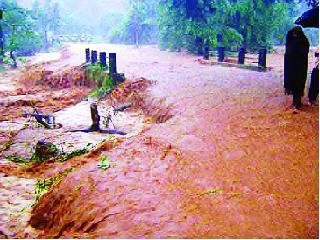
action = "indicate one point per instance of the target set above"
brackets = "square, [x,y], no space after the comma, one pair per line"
[262,57]
[92,57]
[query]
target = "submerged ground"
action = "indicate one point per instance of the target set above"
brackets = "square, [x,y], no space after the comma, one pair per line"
[233,161]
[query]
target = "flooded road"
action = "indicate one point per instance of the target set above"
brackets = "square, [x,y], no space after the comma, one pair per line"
[232,162]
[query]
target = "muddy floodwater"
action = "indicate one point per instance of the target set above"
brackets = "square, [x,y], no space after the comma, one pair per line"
[216,153]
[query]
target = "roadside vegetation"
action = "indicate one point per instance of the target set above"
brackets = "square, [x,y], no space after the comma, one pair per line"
[174,25]
[186,24]
[23,32]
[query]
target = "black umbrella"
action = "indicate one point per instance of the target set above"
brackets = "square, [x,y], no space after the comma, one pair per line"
[309,18]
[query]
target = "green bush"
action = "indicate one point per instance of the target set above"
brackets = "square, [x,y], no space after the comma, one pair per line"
[96,73]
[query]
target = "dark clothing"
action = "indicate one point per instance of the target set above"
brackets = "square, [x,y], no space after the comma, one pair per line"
[296,64]
[297,100]
[314,85]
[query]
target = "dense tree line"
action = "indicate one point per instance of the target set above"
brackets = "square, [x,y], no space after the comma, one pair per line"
[173,24]
[24,32]
[139,25]
[252,24]
[188,24]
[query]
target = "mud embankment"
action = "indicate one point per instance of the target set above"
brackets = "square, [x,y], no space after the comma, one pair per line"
[59,101]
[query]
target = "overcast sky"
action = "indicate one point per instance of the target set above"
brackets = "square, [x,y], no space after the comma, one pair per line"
[93,6]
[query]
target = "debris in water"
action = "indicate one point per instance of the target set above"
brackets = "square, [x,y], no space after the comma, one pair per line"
[48,121]
[95,126]
[105,163]
[211,191]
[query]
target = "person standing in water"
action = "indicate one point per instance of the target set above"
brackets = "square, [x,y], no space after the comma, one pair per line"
[296,65]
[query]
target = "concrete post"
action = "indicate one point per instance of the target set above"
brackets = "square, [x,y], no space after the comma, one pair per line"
[242,55]
[87,55]
[103,59]
[262,62]
[112,63]
[94,56]
[220,54]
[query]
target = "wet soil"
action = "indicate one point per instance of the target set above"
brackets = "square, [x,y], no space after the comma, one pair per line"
[232,162]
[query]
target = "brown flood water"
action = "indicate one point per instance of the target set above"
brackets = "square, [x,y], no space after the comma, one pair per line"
[233,161]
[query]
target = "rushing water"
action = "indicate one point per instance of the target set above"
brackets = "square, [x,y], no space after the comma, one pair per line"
[233,161]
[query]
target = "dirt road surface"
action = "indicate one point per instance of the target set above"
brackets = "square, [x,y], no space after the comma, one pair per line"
[233,161]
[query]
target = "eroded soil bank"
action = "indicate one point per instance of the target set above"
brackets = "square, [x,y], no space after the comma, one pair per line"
[231,161]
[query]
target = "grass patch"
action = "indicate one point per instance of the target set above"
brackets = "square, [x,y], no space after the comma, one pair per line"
[45,185]
[105,162]
[52,152]
[75,153]
[211,191]
[41,153]
[96,73]
[18,159]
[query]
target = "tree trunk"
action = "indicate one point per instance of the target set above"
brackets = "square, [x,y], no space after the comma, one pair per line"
[95,117]
[46,40]
[137,37]
[45,32]
[1,44]
[136,30]
[13,57]
[206,50]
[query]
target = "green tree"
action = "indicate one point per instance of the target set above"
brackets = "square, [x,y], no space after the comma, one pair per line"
[139,25]
[251,23]
[48,20]
[107,22]
[1,37]
[258,21]
[18,30]
[186,22]
[56,18]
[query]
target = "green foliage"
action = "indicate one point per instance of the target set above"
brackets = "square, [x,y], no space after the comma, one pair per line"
[139,25]
[60,155]
[96,73]
[311,33]
[105,162]
[47,20]
[172,27]
[75,153]
[253,24]
[96,19]
[17,159]
[260,22]
[19,31]
[108,25]
[41,188]
[211,191]
[178,30]
[6,60]
[35,158]
[23,60]
[40,158]
[45,185]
